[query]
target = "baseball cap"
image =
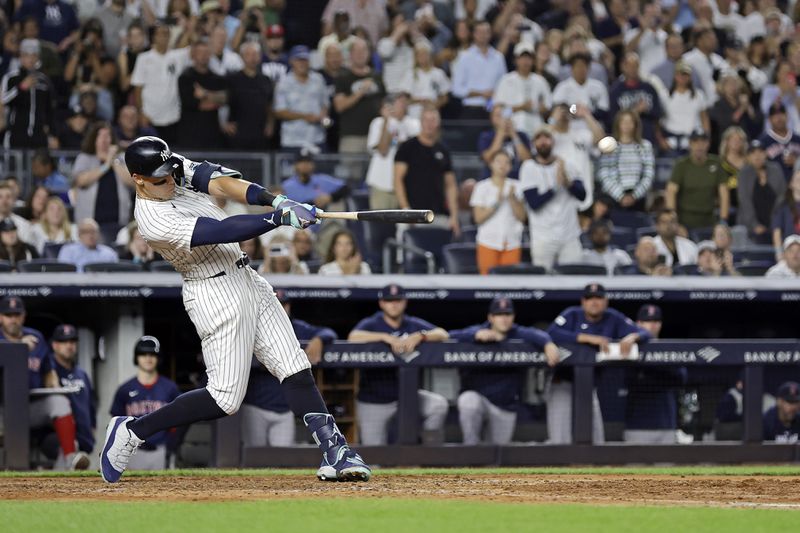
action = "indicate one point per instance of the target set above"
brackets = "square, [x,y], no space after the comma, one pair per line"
[65,332]
[248,4]
[789,391]
[12,305]
[283,296]
[790,240]
[393,291]
[274,30]
[501,306]
[30,46]
[686,68]
[777,108]
[147,344]
[649,313]
[704,246]
[210,5]
[523,47]
[7,224]
[594,290]
[755,144]
[299,52]
[698,134]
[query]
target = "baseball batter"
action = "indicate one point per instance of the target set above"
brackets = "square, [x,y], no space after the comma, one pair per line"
[234,310]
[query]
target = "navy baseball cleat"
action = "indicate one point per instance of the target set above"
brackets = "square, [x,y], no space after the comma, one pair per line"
[348,467]
[120,445]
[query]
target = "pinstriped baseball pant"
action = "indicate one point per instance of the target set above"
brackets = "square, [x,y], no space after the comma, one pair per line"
[236,316]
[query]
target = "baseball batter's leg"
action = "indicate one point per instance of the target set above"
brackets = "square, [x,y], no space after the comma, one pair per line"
[470,415]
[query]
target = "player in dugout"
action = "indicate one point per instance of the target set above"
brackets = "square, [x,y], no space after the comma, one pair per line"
[143,394]
[492,395]
[378,390]
[266,417]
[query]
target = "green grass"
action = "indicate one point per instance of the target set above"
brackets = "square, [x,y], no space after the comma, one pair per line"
[384,516]
[747,470]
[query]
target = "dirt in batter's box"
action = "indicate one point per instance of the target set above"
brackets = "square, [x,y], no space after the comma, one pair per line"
[755,491]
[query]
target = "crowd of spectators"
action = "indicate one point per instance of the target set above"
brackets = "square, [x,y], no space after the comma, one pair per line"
[709,85]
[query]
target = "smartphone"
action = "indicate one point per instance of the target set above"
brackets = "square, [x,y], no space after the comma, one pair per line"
[662,259]
[507,112]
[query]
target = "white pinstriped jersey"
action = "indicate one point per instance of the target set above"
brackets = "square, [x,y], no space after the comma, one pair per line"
[167,226]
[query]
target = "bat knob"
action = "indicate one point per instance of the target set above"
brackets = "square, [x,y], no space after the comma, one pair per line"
[429,217]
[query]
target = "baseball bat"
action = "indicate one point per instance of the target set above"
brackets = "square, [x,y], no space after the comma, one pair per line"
[400,216]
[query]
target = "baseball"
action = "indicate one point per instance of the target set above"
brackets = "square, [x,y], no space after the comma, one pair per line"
[607,145]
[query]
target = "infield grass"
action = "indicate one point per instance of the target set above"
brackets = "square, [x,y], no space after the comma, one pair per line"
[380,516]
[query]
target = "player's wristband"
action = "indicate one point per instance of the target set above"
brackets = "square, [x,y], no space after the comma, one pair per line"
[258,195]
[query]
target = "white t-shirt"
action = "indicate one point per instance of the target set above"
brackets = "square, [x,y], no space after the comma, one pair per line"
[652,51]
[781,270]
[380,173]
[557,220]
[158,75]
[575,146]
[593,94]
[514,90]
[397,61]
[421,84]
[333,269]
[501,231]
[682,112]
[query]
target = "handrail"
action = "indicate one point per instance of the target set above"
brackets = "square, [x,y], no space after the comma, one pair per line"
[392,245]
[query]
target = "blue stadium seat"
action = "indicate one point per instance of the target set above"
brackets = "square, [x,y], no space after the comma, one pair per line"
[121,266]
[754,269]
[630,219]
[519,269]
[460,258]
[45,265]
[749,255]
[5,266]
[701,234]
[580,269]
[431,239]
[160,266]
[649,231]
[468,234]
[369,236]
[51,250]
[685,270]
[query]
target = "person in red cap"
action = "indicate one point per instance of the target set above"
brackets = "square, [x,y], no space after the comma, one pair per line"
[275,63]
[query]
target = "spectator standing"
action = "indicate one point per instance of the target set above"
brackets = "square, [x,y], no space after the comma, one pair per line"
[343,257]
[761,187]
[491,396]
[499,214]
[782,145]
[626,174]
[307,186]
[602,252]
[7,212]
[396,51]
[275,63]
[696,184]
[553,193]
[631,93]
[579,88]
[676,250]
[135,44]
[64,342]
[340,37]
[477,73]
[665,71]
[54,226]
[301,103]
[332,69]
[359,92]
[128,127]
[612,29]
[733,108]
[784,90]
[525,92]
[684,112]
[155,82]
[250,101]
[12,248]
[503,136]
[386,133]
[575,143]
[367,14]
[378,392]
[27,96]
[425,83]
[223,60]
[648,40]
[423,174]
[789,266]
[114,20]
[785,221]
[733,155]
[202,94]
[57,20]
[88,248]
[782,422]
[102,182]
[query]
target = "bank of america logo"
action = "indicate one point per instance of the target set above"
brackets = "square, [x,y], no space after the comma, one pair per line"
[708,353]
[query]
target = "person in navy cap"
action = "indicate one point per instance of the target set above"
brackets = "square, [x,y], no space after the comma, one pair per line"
[378,391]
[492,394]
[595,324]
[782,422]
[65,354]
[266,417]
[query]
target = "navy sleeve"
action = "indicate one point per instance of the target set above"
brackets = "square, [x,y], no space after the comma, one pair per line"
[534,336]
[536,200]
[365,324]
[310,331]
[326,335]
[233,229]
[202,175]
[466,334]
[420,324]
[624,326]
[577,189]
[562,329]
[485,141]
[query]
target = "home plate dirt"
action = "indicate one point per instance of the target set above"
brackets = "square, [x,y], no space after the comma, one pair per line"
[610,489]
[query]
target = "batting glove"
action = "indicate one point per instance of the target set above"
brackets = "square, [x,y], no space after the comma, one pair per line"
[298,216]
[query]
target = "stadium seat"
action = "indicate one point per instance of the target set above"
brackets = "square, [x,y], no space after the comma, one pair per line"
[51,250]
[580,269]
[621,237]
[369,236]
[630,219]
[426,238]
[468,234]
[161,266]
[649,231]
[519,269]
[701,234]
[685,270]
[460,258]
[754,268]
[5,266]
[746,256]
[122,266]
[45,265]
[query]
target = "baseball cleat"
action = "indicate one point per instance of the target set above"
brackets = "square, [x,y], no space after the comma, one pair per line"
[79,461]
[120,445]
[349,466]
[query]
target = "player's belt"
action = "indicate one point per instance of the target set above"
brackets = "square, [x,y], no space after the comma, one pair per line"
[241,263]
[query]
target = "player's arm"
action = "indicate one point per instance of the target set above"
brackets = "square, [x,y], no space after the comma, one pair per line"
[361,335]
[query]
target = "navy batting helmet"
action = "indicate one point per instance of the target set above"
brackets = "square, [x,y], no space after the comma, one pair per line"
[151,157]
[147,344]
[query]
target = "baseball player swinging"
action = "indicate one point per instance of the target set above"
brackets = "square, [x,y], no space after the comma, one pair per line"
[234,310]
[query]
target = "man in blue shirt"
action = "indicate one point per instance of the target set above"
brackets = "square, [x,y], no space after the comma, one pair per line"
[57,20]
[143,394]
[65,351]
[493,394]
[45,409]
[88,248]
[782,422]
[377,391]
[266,417]
[317,189]
[593,323]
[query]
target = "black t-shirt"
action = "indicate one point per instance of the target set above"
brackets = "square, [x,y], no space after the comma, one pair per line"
[106,206]
[424,179]
[248,97]
[763,202]
[356,120]
[199,128]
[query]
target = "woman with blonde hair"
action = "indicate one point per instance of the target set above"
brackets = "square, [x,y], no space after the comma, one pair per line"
[54,225]
[733,156]
[626,174]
